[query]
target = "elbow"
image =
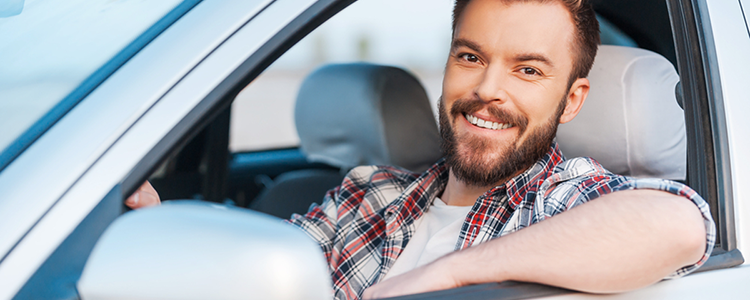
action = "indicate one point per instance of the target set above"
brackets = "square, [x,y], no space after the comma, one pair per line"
[695,243]
[690,234]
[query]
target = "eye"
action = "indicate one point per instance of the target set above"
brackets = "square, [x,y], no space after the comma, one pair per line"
[530,71]
[469,57]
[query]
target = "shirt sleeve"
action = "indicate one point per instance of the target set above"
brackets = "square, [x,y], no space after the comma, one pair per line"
[572,189]
[320,222]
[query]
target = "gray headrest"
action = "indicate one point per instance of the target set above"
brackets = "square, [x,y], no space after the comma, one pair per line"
[631,121]
[363,114]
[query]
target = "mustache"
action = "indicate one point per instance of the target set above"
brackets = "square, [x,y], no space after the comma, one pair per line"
[466,106]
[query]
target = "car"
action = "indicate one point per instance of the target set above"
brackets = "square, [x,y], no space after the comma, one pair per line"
[96,98]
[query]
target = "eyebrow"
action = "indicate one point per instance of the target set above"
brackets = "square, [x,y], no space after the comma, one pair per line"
[524,57]
[457,43]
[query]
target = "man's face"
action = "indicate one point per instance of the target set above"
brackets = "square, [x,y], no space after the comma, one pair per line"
[505,88]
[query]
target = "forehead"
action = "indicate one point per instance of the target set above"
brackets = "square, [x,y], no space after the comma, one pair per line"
[535,27]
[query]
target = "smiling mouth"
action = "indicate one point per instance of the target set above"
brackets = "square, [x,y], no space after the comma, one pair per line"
[486,124]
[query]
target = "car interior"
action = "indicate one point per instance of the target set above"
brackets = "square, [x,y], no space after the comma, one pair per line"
[353,114]
[349,115]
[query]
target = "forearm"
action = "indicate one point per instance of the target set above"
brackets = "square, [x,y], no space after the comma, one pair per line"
[621,241]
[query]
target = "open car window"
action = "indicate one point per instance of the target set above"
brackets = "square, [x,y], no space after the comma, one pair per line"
[415,37]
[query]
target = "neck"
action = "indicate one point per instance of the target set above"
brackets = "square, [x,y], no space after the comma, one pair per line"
[458,193]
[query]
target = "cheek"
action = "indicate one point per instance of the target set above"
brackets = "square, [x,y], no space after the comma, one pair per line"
[457,83]
[449,84]
[538,105]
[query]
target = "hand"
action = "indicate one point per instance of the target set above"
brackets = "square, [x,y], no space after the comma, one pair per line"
[431,277]
[145,196]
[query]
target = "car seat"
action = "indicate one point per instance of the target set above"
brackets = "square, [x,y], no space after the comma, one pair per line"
[631,121]
[349,115]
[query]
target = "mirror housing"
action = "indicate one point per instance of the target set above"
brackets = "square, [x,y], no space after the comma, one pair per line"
[199,250]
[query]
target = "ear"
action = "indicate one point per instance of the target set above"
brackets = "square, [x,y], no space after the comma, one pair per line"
[576,96]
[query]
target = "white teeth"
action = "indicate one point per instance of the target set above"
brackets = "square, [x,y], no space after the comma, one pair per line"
[486,124]
[471,119]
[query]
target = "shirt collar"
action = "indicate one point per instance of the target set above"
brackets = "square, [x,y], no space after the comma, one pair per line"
[527,183]
[418,196]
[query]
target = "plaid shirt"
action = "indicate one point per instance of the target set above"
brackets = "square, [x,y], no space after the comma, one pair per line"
[364,224]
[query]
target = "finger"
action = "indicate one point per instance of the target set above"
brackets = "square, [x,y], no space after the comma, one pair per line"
[145,196]
[147,188]
[134,200]
[148,198]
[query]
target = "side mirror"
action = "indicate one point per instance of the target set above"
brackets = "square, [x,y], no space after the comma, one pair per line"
[198,250]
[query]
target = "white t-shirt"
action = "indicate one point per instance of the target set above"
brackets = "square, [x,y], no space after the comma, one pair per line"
[436,235]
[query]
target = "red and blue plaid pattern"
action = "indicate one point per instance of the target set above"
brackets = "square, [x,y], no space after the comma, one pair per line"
[364,224]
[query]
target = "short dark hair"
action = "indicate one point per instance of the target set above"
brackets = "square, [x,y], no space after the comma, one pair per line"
[587,31]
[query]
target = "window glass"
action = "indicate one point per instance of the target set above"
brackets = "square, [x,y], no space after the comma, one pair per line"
[49,49]
[414,35]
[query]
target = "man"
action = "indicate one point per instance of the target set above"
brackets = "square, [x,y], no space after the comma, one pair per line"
[516,69]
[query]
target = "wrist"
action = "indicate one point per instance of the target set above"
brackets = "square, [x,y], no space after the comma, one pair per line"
[471,266]
[458,267]
[447,270]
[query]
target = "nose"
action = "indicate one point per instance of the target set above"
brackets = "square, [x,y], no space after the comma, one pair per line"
[491,86]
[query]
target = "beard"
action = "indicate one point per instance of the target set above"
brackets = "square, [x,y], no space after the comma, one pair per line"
[478,161]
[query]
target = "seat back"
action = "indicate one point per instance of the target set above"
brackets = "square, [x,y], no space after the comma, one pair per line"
[294,191]
[363,114]
[349,115]
[631,121]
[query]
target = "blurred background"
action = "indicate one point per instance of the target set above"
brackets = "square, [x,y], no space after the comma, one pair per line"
[416,37]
